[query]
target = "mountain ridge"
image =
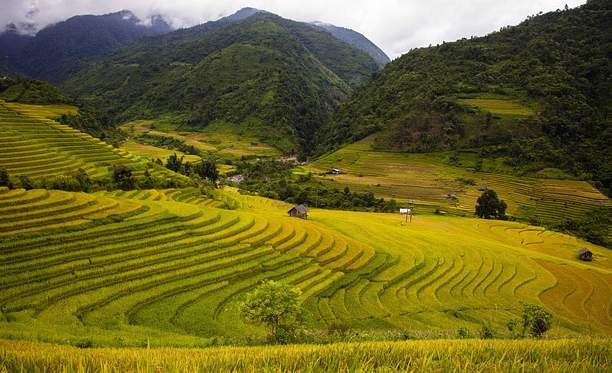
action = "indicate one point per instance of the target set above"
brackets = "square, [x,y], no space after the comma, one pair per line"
[275,76]
[550,73]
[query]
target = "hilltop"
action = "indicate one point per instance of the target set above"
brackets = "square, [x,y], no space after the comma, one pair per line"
[534,96]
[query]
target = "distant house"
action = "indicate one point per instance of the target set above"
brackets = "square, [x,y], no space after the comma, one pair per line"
[236,179]
[299,211]
[585,254]
[335,171]
[483,188]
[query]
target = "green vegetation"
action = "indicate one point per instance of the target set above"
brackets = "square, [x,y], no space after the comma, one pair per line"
[102,248]
[217,140]
[89,123]
[168,267]
[153,152]
[430,180]
[29,91]
[5,180]
[275,305]
[506,107]
[518,95]
[285,79]
[536,320]
[276,179]
[425,356]
[38,147]
[488,206]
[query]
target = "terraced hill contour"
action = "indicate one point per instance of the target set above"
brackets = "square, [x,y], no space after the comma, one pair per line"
[33,144]
[429,180]
[170,266]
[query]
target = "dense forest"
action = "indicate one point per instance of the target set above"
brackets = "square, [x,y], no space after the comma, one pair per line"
[557,66]
[29,91]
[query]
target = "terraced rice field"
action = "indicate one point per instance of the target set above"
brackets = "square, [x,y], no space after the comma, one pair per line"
[506,107]
[221,140]
[428,181]
[154,153]
[169,267]
[33,145]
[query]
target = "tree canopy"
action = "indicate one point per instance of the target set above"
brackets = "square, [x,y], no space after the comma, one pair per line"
[489,206]
[274,305]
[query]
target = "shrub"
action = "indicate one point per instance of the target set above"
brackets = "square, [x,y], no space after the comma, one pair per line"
[122,176]
[486,332]
[536,320]
[463,333]
[5,180]
[26,183]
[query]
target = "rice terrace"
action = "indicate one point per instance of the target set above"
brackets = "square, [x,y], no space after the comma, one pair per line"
[253,193]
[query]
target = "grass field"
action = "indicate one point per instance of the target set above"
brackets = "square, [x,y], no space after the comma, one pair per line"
[168,267]
[154,152]
[33,145]
[428,180]
[221,140]
[498,106]
[581,355]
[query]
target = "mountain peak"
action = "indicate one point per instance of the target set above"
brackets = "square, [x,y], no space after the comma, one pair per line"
[242,14]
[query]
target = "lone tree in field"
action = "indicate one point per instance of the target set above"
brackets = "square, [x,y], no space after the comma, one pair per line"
[5,181]
[275,305]
[536,320]
[489,206]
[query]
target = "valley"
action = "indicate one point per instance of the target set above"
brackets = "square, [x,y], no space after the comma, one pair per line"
[257,193]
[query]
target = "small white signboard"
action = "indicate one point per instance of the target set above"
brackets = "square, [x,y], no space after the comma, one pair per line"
[405,211]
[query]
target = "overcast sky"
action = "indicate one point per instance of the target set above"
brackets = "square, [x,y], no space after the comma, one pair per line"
[394,25]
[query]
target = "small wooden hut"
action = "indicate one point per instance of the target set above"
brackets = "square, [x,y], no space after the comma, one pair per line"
[585,254]
[299,211]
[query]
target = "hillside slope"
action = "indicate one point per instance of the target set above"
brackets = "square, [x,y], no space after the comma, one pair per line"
[280,78]
[169,267]
[33,144]
[60,50]
[538,94]
[357,40]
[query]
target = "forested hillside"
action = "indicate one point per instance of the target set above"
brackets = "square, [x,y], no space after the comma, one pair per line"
[60,50]
[357,40]
[29,91]
[538,95]
[279,78]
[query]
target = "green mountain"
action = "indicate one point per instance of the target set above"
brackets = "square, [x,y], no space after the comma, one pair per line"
[537,95]
[59,50]
[278,78]
[357,40]
[29,91]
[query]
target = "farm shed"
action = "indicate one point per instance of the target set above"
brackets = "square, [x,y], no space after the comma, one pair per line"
[585,254]
[299,211]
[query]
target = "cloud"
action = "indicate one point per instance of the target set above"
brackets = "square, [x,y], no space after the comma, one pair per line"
[395,25]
